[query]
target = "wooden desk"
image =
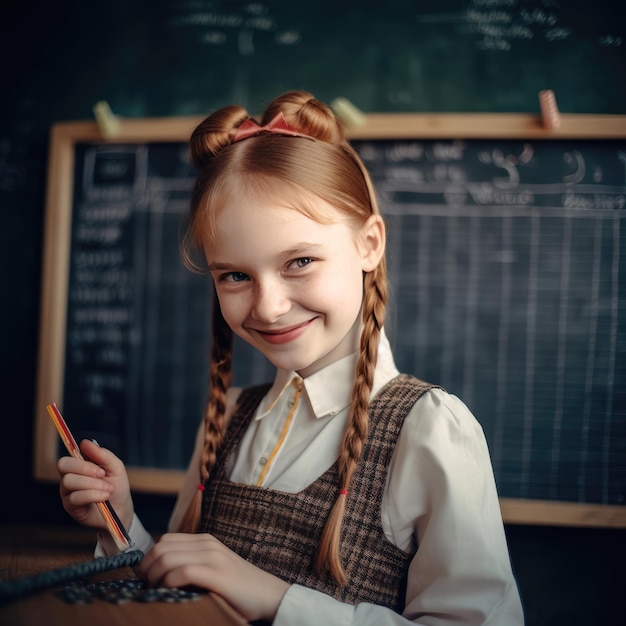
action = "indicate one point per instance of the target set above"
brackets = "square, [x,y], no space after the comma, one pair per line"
[25,551]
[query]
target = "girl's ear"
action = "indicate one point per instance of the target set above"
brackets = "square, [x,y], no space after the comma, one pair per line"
[372,242]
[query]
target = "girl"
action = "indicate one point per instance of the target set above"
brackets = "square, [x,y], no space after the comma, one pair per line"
[344,492]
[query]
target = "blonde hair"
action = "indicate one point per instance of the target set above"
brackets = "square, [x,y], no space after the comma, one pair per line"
[287,169]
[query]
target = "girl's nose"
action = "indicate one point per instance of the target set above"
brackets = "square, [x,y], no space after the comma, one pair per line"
[270,303]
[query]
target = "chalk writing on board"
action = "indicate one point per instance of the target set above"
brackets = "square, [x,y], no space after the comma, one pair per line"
[506,273]
[498,25]
[505,261]
[218,28]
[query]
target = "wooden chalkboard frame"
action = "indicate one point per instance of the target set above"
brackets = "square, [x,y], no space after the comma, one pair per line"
[56,253]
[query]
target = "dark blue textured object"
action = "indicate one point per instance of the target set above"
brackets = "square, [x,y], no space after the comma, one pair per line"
[12,589]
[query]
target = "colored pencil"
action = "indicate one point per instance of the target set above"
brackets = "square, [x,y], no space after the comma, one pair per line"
[112,521]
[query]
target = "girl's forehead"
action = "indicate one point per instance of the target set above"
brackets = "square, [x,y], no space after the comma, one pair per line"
[248,230]
[265,214]
[282,203]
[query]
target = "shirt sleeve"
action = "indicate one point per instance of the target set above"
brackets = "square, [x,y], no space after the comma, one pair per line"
[307,607]
[440,496]
[139,536]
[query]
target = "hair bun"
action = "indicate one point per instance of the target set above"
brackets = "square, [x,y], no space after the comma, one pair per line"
[307,115]
[215,133]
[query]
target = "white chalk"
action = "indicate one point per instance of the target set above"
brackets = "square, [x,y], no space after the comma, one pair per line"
[347,112]
[108,123]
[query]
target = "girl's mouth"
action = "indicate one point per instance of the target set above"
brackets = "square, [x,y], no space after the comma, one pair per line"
[284,335]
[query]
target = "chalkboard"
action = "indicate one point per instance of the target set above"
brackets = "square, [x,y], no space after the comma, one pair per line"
[166,58]
[507,258]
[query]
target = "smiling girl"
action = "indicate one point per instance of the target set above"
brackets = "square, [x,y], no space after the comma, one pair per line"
[344,492]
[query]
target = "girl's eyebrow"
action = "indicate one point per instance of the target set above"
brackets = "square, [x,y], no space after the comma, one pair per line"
[300,249]
[219,266]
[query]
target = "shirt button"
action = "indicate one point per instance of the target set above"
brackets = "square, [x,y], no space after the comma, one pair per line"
[263,460]
[291,403]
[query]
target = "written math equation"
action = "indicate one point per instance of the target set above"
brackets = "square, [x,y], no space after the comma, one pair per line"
[412,175]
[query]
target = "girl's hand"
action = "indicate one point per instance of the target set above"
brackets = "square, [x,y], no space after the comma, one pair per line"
[84,483]
[182,559]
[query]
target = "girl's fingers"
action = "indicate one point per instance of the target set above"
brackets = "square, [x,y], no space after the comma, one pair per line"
[89,496]
[202,560]
[102,457]
[186,575]
[78,482]
[70,465]
[192,539]
[175,550]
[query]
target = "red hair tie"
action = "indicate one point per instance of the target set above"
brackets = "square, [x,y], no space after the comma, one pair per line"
[343,492]
[277,125]
[200,487]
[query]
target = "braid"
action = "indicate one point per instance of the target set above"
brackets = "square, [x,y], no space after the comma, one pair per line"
[220,371]
[375,299]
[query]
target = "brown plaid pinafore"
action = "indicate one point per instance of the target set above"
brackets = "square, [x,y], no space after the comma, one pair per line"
[279,531]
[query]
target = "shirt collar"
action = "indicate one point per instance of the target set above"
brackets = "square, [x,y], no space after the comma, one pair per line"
[330,389]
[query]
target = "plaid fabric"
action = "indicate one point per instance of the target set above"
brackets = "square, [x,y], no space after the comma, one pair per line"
[279,531]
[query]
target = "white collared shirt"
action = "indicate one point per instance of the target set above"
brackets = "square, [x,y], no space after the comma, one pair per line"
[440,494]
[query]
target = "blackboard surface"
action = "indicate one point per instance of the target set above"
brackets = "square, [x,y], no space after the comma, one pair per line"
[507,264]
[508,273]
[161,57]
[152,58]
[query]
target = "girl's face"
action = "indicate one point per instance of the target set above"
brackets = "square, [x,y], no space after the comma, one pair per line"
[290,286]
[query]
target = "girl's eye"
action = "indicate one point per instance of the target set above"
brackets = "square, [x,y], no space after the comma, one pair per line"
[233,277]
[303,262]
